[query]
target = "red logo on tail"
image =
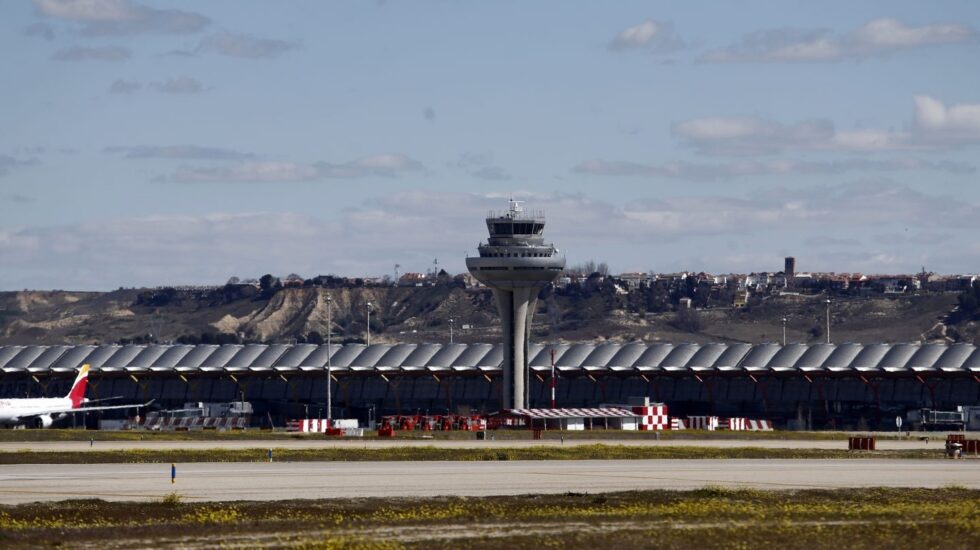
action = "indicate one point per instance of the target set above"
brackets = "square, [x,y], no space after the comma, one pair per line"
[77,393]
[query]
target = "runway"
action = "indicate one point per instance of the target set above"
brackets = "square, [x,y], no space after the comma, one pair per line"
[311,480]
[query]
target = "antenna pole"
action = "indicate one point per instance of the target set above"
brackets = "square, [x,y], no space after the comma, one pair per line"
[329,365]
[552,378]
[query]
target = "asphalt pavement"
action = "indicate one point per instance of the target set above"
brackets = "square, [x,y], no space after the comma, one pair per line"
[310,480]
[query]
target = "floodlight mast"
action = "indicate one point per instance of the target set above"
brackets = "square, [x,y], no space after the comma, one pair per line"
[329,365]
[516,264]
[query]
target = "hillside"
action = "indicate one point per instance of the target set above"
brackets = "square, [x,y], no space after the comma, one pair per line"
[422,315]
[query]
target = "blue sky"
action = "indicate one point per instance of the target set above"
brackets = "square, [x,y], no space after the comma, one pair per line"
[151,143]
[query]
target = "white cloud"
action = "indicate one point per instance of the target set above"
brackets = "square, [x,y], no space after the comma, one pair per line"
[637,36]
[867,204]
[387,165]
[244,46]
[88,10]
[779,45]
[720,171]
[109,253]
[195,152]
[119,17]
[876,37]
[655,36]
[750,135]
[936,127]
[888,34]
[267,171]
[938,121]
[108,53]
[382,165]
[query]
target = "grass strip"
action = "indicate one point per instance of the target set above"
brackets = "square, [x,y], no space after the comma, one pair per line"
[705,518]
[428,453]
[267,435]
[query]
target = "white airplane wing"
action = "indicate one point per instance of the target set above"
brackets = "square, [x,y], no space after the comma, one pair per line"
[108,407]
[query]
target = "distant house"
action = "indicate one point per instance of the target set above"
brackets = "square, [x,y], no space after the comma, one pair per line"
[412,279]
[755,281]
[684,303]
[634,280]
[675,277]
[778,280]
[936,283]
[802,279]
[741,298]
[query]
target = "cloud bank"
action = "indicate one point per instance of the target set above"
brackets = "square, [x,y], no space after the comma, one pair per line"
[877,37]
[936,126]
[369,238]
[121,17]
[380,165]
[244,46]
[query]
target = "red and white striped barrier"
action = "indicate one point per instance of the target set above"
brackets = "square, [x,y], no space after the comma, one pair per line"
[320,425]
[734,424]
[714,423]
[652,418]
[188,423]
[759,426]
[308,425]
[709,423]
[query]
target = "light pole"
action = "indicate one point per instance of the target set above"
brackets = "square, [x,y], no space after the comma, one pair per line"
[784,332]
[329,367]
[828,320]
[369,323]
[552,378]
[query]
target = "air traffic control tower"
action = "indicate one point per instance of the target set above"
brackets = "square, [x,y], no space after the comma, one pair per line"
[516,263]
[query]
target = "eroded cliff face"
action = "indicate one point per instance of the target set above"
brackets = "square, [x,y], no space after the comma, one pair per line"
[421,314]
[300,311]
[289,314]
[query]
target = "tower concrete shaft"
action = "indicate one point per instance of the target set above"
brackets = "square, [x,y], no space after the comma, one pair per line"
[516,264]
[516,309]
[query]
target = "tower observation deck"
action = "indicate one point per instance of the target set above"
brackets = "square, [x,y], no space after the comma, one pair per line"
[516,263]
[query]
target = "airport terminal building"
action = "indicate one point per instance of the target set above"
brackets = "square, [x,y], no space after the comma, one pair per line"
[823,385]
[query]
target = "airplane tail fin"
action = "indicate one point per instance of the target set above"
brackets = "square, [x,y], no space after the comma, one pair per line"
[77,393]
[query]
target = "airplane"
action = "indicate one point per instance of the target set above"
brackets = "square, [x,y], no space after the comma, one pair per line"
[43,411]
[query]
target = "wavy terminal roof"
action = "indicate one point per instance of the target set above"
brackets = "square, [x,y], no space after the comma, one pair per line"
[633,358]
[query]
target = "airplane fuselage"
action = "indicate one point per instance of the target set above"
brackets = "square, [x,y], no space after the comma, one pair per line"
[13,411]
